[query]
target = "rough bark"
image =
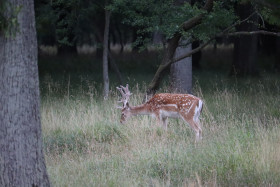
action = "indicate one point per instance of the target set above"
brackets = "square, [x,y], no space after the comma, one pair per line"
[105,55]
[181,72]
[21,153]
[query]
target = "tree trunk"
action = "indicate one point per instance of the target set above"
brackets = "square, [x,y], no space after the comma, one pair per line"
[172,45]
[21,152]
[168,55]
[116,68]
[245,47]
[181,72]
[105,55]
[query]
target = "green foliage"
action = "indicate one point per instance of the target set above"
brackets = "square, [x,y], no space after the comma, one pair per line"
[166,17]
[271,16]
[9,25]
[217,20]
[65,22]
[76,22]
[268,10]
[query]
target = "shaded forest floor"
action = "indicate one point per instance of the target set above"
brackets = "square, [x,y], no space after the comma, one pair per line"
[86,146]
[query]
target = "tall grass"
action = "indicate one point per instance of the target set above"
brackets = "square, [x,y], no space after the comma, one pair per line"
[86,146]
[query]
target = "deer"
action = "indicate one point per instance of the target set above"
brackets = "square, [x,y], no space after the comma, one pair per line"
[163,106]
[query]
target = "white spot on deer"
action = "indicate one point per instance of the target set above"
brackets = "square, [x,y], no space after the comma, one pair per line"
[174,105]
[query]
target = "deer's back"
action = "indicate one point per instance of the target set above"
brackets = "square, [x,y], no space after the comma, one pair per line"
[179,101]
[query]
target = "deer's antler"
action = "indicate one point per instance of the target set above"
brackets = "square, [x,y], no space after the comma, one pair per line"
[125,95]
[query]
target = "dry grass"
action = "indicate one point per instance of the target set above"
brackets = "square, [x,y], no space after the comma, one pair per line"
[86,146]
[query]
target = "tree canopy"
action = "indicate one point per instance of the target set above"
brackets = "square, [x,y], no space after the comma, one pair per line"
[77,22]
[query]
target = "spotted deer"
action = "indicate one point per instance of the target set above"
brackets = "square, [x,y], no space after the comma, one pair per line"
[163,106]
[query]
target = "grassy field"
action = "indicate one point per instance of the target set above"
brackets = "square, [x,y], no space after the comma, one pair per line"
[86,146]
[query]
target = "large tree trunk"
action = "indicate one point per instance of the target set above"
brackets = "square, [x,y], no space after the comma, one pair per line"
[245,47]
[105,55]
[181,72]
[21,153]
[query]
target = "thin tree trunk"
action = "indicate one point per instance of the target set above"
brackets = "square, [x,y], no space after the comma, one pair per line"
[105,55]
[21,153]
[119,33]
[116,68]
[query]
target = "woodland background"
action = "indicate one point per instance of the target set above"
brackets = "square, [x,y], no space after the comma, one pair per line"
[225,52]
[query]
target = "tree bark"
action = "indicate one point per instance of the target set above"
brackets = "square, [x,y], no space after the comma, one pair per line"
[105,55]
[181,72]
[21,152]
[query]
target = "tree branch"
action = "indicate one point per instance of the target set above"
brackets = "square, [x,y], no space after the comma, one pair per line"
[253,33]
[225,32]
[196,20]
[238,23]
[172,45]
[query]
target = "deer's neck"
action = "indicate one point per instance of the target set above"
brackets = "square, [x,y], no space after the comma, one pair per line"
[140,110]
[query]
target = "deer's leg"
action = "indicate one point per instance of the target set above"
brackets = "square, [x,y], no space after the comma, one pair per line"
[196,119]
[164,122]
[158,118]
[194,125]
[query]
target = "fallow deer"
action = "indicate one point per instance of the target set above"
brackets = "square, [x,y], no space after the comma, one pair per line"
[163,106]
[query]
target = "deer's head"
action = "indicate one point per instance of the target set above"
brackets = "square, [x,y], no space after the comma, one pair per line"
[125,103]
